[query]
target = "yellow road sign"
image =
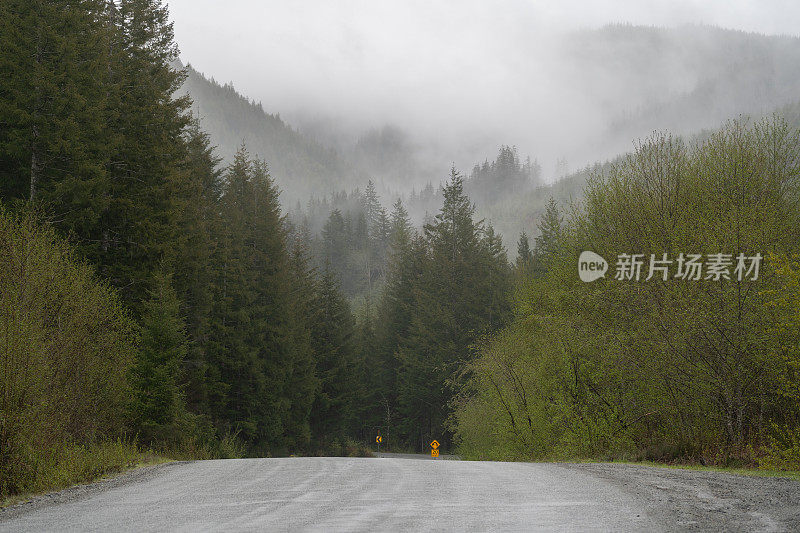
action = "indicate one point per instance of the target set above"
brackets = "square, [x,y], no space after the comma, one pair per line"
[378,439]
[434,453]
[434,444]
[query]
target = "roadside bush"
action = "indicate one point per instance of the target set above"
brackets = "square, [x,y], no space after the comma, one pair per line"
[345,447]
[666,369]
[66,347]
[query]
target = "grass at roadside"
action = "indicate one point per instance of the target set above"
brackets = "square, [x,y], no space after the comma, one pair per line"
[52,470]
[743,471]
[757,472]
[752,470]
[74,465]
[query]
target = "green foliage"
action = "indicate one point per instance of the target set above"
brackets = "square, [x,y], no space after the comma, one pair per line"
[782,450]
[249,339]
[157,404]
[211,347]
[450,288]
[550,238]
[70,464]
[66,345]
[345,448]
[332,336]
[524,253]
[623,368]
[52,143]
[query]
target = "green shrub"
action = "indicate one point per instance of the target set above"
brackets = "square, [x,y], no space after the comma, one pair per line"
[66,346]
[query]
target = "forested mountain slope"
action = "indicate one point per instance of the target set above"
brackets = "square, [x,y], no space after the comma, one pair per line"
[512,214]
[300,166]
[680,79]
[616,84]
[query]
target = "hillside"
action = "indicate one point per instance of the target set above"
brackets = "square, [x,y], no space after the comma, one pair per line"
[514,213]
[300,166]
[678,79]
[625,81]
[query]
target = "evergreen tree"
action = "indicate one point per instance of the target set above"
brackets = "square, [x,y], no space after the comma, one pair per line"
[334,346]
[53,105]
[550,238]
[157,407]
[395,315]
[400,228]
[250,348]
[137,226]
[196,204]
[524,254]
[302,383]
[456,298]
[372,205]
[498,283]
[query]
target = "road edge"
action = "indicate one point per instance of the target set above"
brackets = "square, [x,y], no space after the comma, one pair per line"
[82,490]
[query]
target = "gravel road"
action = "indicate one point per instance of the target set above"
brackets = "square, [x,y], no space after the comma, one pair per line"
[412,494]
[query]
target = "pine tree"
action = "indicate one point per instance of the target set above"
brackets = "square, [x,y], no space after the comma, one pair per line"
[157,407]
[459,294]
[137,226]
[302,383]
[196,204]
[333,341]
[229,355]
[550,237]
[498,282]
[400,228]
[250,350]
[395,315]
[53,104]
[371,205]
[524,254]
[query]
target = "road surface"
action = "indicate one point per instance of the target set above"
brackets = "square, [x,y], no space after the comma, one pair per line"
[402,494]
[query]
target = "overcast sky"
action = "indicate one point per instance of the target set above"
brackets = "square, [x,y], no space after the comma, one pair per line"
[439,67]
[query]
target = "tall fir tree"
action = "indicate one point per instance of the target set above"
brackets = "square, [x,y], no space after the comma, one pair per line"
[302,383]
[524,254]
[550,238]
[138,225]
[157,408]
[54,105]
[333,339]
[192,255]
[456,299]
[250,344]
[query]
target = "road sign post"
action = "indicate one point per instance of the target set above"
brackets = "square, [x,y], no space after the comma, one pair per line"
[379,439]
[435,449]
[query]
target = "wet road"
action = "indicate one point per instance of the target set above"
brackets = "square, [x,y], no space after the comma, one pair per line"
[351,494]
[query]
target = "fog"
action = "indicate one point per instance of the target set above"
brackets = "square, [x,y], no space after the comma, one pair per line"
[460,78]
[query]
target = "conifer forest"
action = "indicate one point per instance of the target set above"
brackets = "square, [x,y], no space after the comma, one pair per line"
[187,273]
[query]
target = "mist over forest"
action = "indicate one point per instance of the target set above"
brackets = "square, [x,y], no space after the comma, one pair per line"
[258,231]
[589,96]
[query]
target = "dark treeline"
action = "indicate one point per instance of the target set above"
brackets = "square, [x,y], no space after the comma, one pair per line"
[492,182]
[445,287]
[351,232]
[421,299]
[221,340]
